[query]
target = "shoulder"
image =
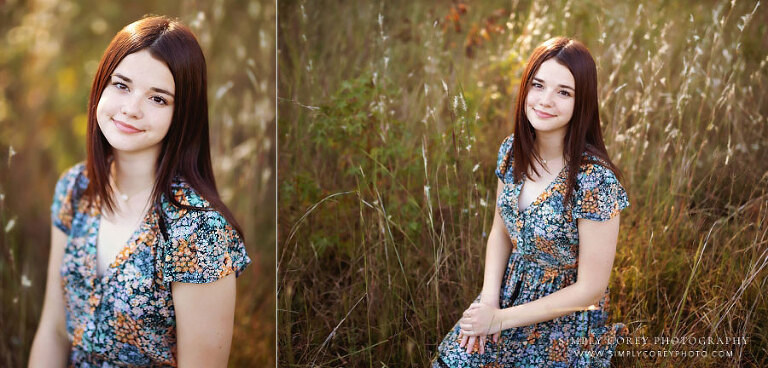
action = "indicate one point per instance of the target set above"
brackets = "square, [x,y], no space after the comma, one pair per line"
[73,177]
[202,246]
[67,193]
[505,151]
[75,170]
[202,219]
[70,185]
[184,194]
[506,144]
[594,172]
[599,195]
[504,158]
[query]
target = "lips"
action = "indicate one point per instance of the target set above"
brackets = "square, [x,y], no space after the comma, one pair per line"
[543,115]
[125,127]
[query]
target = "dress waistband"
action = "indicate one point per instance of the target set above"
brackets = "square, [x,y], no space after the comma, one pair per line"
[530,258]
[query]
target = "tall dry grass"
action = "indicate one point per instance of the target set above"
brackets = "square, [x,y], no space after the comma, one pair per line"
[390,116]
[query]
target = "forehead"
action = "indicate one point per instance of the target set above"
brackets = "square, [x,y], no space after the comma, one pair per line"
[553,72]
[143,69]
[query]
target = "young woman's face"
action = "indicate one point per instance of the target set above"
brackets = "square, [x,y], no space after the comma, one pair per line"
[551,96]
[136,107]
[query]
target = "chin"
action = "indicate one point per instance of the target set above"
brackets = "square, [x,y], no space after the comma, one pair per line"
[126,146]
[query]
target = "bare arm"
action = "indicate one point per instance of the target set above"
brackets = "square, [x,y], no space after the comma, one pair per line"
[205,315]
[50,348]
[497,253]
[597,249]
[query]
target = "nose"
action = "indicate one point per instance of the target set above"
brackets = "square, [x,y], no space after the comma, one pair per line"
[132,107]
[546,98]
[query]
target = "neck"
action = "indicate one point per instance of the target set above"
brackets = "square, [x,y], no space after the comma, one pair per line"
[549,146]
[134,172]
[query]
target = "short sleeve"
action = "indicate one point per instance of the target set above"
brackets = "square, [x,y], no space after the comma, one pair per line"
[504,158]
[64,198]
[600,195]
[203,247]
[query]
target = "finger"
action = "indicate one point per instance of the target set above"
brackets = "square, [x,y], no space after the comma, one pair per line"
[482,344]
[466,327]
[471,345]
[496,337]
[464,339]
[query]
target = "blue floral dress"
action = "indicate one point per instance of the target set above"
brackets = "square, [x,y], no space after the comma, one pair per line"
[545,248]
[126,317]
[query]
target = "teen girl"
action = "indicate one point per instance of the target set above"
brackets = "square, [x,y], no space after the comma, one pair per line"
[144,253]
[550,251]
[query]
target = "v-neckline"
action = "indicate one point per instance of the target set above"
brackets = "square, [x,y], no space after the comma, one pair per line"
[541,196]
[130,244]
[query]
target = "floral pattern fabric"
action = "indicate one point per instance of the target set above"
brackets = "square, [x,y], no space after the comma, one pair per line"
[545,248]
[126,317]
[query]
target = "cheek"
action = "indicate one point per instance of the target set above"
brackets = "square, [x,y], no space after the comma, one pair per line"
[101,115]
[106,104]
[163,121]
[101,105]
[568,107]
[530,98]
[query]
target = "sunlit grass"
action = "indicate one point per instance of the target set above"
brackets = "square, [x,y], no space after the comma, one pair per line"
[390,116]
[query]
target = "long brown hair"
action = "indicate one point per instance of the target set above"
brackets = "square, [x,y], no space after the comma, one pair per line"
[185,150]
[583,133]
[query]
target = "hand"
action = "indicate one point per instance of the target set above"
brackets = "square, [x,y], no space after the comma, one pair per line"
[469,342]
[477,323]
[480,319]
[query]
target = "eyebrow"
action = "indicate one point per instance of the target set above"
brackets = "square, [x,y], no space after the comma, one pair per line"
[160,90]
[559,85]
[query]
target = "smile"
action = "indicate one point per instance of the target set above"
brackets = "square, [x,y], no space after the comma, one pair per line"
[125,127]
[543,115]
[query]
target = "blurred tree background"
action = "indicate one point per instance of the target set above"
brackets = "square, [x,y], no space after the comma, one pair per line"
[49,51]
[390,117]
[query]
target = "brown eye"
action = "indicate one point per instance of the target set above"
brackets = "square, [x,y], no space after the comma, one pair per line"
[159,100]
